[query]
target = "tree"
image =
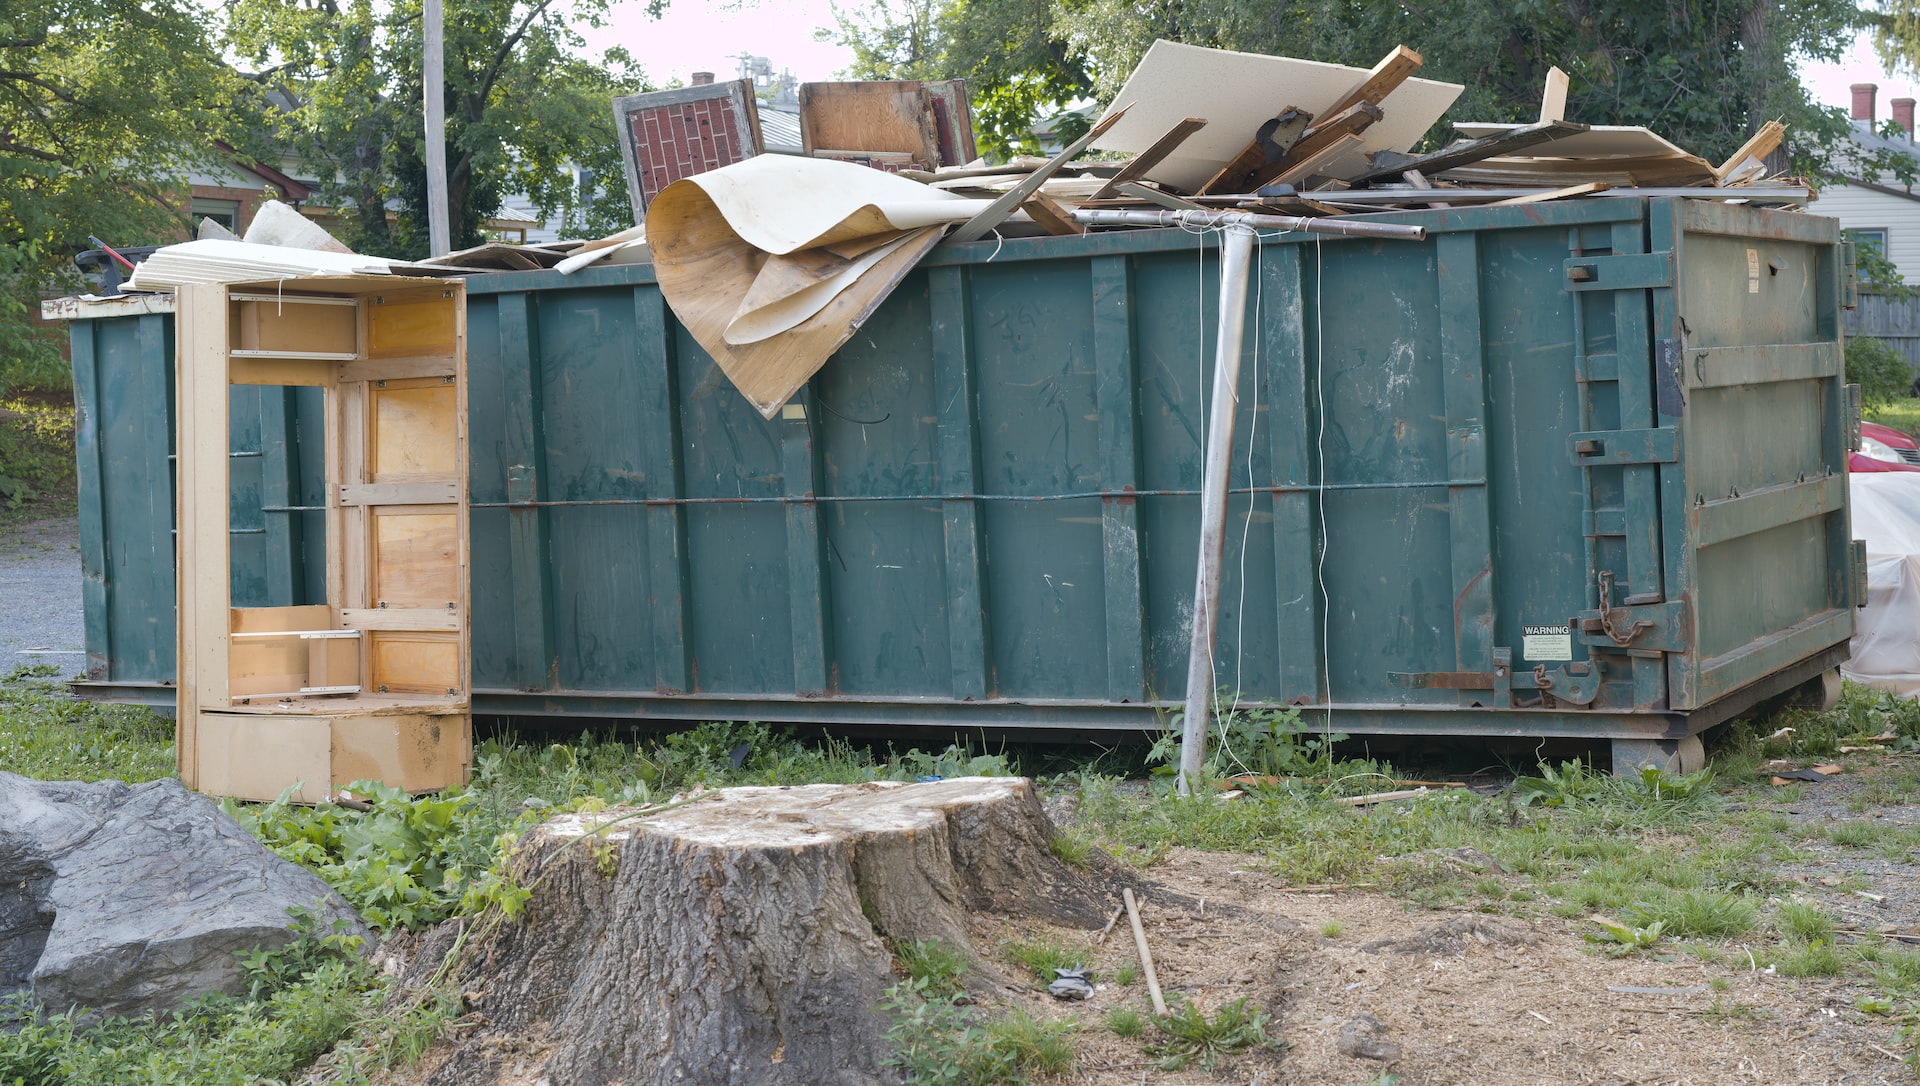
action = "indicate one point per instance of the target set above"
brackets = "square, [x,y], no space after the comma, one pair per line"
[523,107]
[104,105]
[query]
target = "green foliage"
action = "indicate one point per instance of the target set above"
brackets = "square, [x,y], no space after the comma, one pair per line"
[1190,1034]
[1881,372]
[522,106]
[1072,848]
[936,1042]
[1695,913]
[47,733]
[105,107]
[1257,741]
[402,864]
[1041,955]
[1620,939]
[1037,1045]
[301,999]
[1126,974]
[1804,923]
[36,454]
[1651,790]
[932,965]
[1126,1022]
[1874,270]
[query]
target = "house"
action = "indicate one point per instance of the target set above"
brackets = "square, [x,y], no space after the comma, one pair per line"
[1881,208]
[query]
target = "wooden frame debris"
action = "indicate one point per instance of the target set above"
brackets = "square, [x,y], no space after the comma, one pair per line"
[671,134]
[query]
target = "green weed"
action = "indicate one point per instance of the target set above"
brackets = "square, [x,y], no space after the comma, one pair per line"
[1804,923]
[1126,1022]
[1126,975]
[1619,940]
[1036,1044]
[48,734]
[1042,955]
[1073,848]
[1331,929]
[1696,913]
[1191,1035]
[935,966]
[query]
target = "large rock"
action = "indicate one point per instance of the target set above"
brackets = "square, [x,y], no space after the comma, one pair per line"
[129,899]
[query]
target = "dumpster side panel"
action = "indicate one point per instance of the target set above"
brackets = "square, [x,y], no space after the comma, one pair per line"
[489,547]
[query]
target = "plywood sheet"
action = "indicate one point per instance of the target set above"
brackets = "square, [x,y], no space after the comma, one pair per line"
[296,326]
[248,756]
[419,753]
[415,559]
[401,326]
[277,619]
[415,430]
[1237,92]
[1599,141]
[416,663]
[874,115]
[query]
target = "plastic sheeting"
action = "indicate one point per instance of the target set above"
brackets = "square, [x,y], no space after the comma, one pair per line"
[1886,640]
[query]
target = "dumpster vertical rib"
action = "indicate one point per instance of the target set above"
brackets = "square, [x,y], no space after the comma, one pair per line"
[279,486]
[94,582]
[1283,332]
[1117,394]
[525,449]
[658,401]
[1633,331]
[155,369]
[959,454]
[1834,440]
[1469,522]
[807,591]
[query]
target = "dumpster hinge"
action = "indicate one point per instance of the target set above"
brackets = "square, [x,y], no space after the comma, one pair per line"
[1859,554]
[1596,448]
[1622,271]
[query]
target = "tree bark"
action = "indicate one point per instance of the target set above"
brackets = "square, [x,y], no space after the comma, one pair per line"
[742,937]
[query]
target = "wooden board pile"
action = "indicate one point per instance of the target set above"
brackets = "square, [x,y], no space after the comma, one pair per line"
[1339,146]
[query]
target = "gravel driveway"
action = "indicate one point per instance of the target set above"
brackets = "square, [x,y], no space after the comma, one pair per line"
[40,612]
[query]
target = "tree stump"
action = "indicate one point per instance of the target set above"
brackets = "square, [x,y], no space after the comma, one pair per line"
[742,937]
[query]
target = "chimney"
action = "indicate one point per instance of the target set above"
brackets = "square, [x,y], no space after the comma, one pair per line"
[1863,101]
[704,79]
[1903,113]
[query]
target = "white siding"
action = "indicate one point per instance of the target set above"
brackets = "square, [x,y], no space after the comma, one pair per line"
[1864,209]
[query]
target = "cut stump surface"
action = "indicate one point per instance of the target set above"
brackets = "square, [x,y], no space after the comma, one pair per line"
[742,937]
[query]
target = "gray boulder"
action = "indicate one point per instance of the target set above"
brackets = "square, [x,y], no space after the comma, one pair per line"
[129,899]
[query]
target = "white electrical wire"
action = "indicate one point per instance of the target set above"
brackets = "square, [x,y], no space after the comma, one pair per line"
[1320,488]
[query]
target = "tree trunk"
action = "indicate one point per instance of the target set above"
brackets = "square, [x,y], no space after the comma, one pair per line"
[742,937]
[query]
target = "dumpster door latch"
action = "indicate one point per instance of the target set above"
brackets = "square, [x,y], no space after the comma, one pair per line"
[1621,271]
[1657,627]
[1657,445]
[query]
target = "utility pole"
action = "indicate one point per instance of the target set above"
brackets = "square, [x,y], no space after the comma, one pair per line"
[433,91]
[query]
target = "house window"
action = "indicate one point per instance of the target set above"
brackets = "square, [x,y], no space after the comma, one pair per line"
[224,212]
[1875,236]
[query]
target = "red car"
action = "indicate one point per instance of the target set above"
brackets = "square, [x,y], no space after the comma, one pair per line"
[1883,448]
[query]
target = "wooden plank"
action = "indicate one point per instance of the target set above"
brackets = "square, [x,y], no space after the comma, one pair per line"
[872,115]
[1758,146]
[398,369]
[278,620]
[414,663]
[996,213]
[1545,195]
[402,325]
[412,429]
[1154,196]
[415,559]
[420,492]
[1342,132]
[1302,169]
[1393,69]
[1553,99]
[398,618]
[1116,393]
[274,326]
[1048,213]
[283,371]
[1152,156]
[1268,147]
[952,120]
[1471,151]
[202,572]
[969,651]
[657,421]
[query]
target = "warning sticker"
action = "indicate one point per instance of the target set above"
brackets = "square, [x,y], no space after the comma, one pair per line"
[1546,642]
[1753,271]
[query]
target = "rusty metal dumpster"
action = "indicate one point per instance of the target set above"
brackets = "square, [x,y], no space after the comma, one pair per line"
[1569,469]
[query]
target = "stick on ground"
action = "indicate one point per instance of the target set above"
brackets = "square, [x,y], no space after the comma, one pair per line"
[1146,956]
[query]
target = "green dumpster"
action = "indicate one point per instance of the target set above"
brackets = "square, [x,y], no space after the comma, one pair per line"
[1566,469]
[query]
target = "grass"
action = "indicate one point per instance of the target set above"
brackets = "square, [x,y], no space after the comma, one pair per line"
[1126,1022]
[933,964]
[1043,954]
[1902,414]
[1193,1036]
[47,734]
[36,455]
[1331,929]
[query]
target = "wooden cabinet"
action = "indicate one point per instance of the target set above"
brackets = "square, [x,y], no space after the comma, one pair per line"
[372,684]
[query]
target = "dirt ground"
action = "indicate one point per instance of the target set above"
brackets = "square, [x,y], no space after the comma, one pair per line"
[1458,996]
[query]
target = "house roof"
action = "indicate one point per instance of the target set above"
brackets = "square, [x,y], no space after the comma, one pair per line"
[289,188]
[780,130]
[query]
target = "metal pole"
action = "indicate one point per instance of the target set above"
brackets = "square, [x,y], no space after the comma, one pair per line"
[1236,258]
[1197,219]
[433,91]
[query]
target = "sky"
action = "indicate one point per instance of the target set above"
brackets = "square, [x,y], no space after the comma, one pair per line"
[1830,82]
[705,36]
